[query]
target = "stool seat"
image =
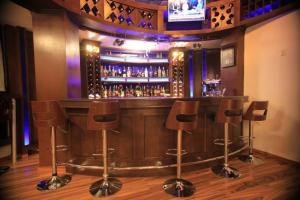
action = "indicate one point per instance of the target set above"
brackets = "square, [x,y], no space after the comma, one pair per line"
[50,114]
[183,116]
[103,116]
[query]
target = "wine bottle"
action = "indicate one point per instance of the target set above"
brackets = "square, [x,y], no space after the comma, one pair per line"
[150,72]
[146,72]
[128,72]
[109,70]
[155,73]
[124,72]
[163,72]
[159,72]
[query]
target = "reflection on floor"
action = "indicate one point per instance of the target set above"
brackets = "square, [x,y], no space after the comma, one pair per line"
[275,179]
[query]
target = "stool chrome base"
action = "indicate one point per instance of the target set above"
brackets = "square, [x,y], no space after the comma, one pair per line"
[103,188]
[251,159]
[179,187]
[225,171]
[3,169]
[54,183]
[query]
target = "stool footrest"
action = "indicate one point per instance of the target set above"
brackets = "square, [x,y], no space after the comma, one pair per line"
[220,142]
[115,131]
[109,151]
[170,152]
[61,148]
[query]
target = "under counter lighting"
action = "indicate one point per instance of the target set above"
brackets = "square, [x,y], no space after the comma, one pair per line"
[175,53]
[92,48]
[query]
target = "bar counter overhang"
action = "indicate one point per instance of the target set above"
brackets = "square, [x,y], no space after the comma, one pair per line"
[141,146]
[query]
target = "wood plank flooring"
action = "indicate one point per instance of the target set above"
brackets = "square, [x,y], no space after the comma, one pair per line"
[275,179]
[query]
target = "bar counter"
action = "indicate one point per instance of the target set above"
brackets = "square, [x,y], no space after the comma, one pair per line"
[140,147]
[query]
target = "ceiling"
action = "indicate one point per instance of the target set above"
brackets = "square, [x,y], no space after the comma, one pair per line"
[140,45]
[158,2]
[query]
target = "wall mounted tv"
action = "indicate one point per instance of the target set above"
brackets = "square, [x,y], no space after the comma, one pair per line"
[186,10]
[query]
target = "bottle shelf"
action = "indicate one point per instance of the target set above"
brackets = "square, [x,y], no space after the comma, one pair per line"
[135,80]
[134,60]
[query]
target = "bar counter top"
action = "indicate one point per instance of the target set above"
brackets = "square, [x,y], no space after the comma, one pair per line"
[140,147]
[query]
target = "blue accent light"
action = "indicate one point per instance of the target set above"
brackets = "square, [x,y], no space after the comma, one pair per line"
[191,74]
[113,79]
[204,64]
[137,80]
[25,103]
[268,8]
[156,80]
[134,59]
[158,60]
[260,11]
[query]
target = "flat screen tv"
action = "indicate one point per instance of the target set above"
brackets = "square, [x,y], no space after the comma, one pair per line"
[186,10]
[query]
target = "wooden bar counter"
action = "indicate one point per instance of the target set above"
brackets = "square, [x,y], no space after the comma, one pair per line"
[140,147]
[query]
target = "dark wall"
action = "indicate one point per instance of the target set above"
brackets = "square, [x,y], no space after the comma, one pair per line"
[233,77]
[19,62]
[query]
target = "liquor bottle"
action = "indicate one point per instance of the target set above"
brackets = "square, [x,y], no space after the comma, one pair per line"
[142,73]
[138,73]
[109,70]
[101,70]
[146,72]
[105,92]
[128,72]
[113,72]
[144,91]
[119,72]
[105,72]
[155,73]
[131,92]
[163,91]
[163,72]
[121,91]
[152,91]
[114,91]
[167,72]
[150,72]
[126,91]
[109,92]
[159,72]
[124,72]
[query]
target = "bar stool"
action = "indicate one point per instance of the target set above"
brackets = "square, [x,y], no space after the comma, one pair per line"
[50,114]
[229,111]
[183,116]
[104,116]
[257,111]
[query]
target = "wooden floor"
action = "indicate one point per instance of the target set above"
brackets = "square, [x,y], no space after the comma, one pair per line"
[275,179]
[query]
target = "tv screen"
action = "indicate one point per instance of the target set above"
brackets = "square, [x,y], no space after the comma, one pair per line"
[186,10]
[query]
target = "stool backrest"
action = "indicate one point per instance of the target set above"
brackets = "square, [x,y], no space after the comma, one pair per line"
[103,115]
[183,115]
[230,111]
[48,113]
[257,106]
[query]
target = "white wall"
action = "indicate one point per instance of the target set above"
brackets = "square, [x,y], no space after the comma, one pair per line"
[272,72]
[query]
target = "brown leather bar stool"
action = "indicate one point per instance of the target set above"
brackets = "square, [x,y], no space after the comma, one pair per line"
[257,111]
[104,116]
[229,111]
[49,114]
[182,117]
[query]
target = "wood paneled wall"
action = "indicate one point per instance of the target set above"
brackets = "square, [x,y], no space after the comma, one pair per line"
[57,60]
[233,77]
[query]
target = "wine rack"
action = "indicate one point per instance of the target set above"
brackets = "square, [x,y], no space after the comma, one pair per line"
[90,69]
[222,15]
[254,8]
[177,68]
